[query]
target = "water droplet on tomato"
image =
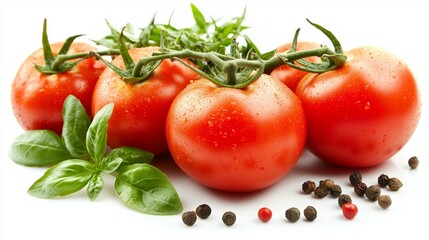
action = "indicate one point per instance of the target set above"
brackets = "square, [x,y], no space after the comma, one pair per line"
[367,105]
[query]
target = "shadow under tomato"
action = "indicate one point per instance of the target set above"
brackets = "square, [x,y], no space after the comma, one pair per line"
[312,166]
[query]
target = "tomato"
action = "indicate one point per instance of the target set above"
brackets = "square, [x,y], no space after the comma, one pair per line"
[363,113]
[236,139]
[37,98]
[349,210]
[138,119]
[289,75]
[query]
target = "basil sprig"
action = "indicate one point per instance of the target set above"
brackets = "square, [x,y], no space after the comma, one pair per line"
[78,158]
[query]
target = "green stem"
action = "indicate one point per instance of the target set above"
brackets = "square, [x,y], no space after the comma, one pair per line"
[279,59]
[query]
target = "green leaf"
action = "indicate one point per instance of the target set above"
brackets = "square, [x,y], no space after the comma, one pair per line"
[110,164]
[76,124]
[38,148]
[147,190]
[199,18]
[63,179]
[95,185]
[130,155]
[96,136]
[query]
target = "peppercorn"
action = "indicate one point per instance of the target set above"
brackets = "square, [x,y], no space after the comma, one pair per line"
[355,177]
[229,218]
[413,162]
[394,184]
[292,214]
[308,187]
[189,218]
[335,191]
[383,180]
[310,213]
[320,192]
[203,211]
[372,192]
[327,183]
[360,188]
[384,201]
[344,198]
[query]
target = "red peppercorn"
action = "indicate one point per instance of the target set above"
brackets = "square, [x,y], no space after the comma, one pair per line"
[349,210]
[265,214]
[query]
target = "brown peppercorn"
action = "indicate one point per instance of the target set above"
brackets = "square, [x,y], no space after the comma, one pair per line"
[344,198]
[308,187]
[310,213]
[292,214]
[203,211]
[360,188]
[355,177]
[384,201]
[320,192]
[189,218]
[229,218]
[373,192]
[394,184]
[327,183]
[413,162]
[335,191]
[383,180]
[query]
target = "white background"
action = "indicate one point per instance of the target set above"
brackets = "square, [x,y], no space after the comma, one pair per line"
[399,26]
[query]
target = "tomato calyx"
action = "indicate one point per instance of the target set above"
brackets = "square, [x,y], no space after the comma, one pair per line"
[61,62]
[329,59]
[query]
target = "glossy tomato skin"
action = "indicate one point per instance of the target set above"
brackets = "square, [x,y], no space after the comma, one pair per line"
[289,75]
[363,113]
[236,139]
[37,99]
[138,119]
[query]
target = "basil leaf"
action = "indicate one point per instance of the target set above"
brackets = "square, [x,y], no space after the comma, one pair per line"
[130,155]
[147,190]
[110,164]
[95,185]
[76,124]
[63,179]
[96,136]
[38,148]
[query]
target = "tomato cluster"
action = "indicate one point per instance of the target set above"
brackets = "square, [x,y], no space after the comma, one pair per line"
[232,139]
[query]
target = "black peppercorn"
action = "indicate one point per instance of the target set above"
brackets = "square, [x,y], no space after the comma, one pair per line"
[320,192]
[413,162]
[360,188]
[394,184]
[383,180]
[203,211]
[189,218]
[308,187]
[292,214]
[335,191]
[384,201]
[344,198]
[310,213]
[229,218]
[355,177]
[373,192]
[327,183]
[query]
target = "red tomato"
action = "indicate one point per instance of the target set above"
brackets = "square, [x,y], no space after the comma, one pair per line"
[349,210]
[236,139]
[362,113]
[289,75]
[138,119]
[37,99]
